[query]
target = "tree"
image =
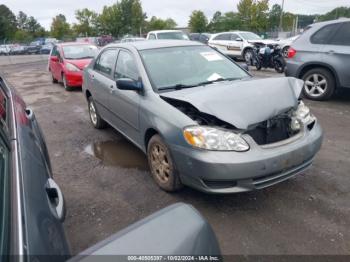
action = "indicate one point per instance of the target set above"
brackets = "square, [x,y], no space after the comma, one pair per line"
[253,14]
[8,23]
[335,14]
[159,24]
[59,27]
[274,17]
[22,20]
[198,22]
[88,22]
[109,21]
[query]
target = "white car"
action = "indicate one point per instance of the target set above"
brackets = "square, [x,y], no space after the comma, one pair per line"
[5,49]
[237,43]
[167,34]
[286,43]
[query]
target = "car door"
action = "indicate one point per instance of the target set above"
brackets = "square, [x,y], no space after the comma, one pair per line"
[221,42]
[55,65]
[337,53]
[102,81]
[235,45]
[124,104]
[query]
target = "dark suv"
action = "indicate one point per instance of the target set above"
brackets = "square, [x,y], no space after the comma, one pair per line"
[321,57]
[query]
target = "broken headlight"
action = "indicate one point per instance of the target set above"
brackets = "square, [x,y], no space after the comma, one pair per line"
[214,139]
[301,115]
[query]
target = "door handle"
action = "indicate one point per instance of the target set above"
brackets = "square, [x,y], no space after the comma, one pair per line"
[56,200]
[330,52]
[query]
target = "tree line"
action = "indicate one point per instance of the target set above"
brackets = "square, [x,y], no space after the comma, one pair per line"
[127,17]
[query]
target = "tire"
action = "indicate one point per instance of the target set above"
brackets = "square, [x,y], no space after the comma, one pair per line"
[285,51]
[54,80]
[319,84]
[65,84]
[248,55]
[95,117]
[258,65]
[162,166]
[279,66]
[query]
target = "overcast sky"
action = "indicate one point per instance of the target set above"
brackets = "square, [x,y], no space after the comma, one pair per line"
[44,10]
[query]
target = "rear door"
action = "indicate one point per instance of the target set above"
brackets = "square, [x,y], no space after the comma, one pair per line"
[221,42]
[337,53]
[102,81]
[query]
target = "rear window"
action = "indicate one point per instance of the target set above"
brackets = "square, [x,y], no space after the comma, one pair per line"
[324,34]
[342,37]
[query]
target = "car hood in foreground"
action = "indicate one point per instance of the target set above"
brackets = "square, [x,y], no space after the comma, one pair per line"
[243,103]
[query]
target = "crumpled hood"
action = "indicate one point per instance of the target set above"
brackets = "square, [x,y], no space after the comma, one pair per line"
[243,103]
[264,41]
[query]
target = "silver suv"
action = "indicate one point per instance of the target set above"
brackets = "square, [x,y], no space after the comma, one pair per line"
[321,57]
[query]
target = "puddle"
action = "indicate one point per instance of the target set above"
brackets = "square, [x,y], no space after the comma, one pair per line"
[121,153]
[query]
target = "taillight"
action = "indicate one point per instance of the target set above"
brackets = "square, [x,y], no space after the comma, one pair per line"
[291,52]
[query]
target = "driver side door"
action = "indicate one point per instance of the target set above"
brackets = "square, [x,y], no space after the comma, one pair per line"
[124,104]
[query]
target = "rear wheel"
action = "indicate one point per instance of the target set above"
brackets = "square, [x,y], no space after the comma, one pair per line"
[162,166]
[319,84]
[95,118]
[65,83]
[279,66]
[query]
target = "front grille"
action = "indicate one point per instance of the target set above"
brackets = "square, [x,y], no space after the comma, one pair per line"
[220,184]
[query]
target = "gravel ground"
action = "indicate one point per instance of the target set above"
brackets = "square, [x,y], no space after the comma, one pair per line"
[107,185]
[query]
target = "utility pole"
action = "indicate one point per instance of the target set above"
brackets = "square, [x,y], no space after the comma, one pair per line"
[281,17]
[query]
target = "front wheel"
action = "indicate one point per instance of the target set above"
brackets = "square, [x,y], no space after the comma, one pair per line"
[248,56]
[65,83]
[162,166]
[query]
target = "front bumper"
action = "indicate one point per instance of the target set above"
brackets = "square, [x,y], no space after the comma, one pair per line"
[260,167]
[74,79]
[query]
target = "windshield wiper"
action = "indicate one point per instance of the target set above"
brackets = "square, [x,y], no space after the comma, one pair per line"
[182,86]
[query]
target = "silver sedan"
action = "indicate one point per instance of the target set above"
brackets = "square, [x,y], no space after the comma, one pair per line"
[200,118]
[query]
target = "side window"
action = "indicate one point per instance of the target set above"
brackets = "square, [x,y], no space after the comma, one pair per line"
[225,37]
[106,61]
[126,66]
[342,37]
[322,35]
[4,199]
[55,51]
[234,37]
[152,37]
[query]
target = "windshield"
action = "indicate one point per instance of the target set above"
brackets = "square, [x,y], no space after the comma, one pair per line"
[80,51]
[250,36]
[188,65]
[173,35]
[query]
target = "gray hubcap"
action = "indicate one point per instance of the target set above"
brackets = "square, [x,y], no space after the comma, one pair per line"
[248,56]
[315,85]
[93,115]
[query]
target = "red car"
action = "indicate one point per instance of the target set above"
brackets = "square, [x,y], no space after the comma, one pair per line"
[67,61]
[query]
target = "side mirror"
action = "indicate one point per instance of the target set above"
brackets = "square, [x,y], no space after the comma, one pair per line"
[129,84]
[239,39]
[54,59]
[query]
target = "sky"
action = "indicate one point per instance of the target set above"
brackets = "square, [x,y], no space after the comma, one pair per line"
[179,10]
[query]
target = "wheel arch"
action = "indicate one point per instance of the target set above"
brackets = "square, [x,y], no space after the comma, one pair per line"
[308,66]
[150,132]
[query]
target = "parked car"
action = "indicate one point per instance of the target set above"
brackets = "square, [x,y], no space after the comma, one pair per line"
[33,48]
[286,43]
[237,44]
[167,35]
[18,50]
[131,39]
[200,118]
[67,60]
[200,37]
[46,49]
[32,206]
[321,57]
[5,49]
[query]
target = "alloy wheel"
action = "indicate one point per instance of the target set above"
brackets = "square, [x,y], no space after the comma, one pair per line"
[160,163]
[315,85]
[93,114]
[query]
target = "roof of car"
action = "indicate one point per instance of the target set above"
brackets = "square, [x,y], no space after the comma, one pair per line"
[339,20]
[164,31]
[73,43]
[153,44]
